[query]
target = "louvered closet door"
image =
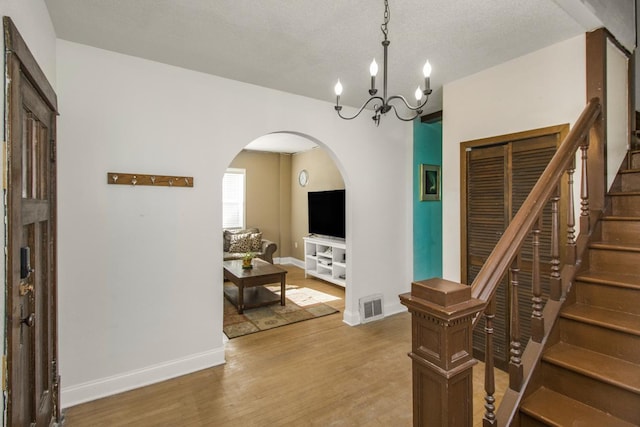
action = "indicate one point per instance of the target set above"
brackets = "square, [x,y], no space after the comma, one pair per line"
[487,219]
[529,158]
[499,178]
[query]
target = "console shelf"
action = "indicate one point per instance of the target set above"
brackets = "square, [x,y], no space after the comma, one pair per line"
[325,259]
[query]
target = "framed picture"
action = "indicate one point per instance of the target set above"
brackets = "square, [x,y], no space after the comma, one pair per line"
[429,182]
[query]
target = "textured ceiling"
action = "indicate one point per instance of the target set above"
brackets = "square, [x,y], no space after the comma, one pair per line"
[303,46]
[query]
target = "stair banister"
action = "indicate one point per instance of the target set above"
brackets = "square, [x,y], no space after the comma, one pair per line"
[487,280]
[444,313]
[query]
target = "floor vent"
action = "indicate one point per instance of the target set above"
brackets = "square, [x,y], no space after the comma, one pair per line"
[371,308]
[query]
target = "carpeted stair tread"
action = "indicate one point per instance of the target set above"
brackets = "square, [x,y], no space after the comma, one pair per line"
[556,409]
[611,319]
[621,280]
[615,246]
[607,369]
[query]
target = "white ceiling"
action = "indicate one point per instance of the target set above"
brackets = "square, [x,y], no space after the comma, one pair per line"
[304,46]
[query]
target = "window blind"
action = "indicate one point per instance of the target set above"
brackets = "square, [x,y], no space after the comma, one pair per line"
[233,198]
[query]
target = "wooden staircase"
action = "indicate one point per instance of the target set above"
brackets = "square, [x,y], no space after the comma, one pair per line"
[589,374]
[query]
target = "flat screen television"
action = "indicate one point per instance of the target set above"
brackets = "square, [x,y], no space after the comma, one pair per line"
[326,213]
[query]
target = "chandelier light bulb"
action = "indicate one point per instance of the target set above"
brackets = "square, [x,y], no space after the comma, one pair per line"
[403,108]
[426,69]
[373,68]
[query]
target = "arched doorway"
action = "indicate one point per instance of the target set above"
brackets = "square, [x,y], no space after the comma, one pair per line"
[276,196]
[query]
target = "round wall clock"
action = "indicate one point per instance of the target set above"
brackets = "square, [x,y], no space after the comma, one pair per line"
[303,177]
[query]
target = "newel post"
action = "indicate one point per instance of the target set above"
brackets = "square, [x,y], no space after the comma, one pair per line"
[442,322]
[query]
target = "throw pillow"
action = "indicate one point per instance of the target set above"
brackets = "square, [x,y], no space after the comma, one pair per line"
[256,242]
[228,233]
[226,240]
[240,243]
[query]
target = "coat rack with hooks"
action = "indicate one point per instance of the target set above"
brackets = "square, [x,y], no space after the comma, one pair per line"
[152,180]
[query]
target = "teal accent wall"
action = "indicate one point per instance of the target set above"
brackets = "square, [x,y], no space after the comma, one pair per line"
[427,215]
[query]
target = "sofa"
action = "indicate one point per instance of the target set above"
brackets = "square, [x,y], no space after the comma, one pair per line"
[236,243]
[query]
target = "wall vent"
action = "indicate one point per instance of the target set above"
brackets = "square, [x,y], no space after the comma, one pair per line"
[371,308]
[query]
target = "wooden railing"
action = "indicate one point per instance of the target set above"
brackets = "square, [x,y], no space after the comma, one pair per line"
[444,313]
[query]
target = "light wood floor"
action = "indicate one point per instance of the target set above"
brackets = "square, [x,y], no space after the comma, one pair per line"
[314,373]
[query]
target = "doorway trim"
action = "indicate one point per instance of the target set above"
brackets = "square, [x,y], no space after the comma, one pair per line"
[15,45]
[23,73]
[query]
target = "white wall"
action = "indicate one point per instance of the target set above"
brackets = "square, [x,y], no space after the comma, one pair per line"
[140,268]
[540,89]
[31,17]
[617,110]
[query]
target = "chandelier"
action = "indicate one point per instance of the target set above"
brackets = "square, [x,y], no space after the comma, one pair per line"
[385,103]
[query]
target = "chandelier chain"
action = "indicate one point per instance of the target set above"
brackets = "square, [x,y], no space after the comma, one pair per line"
[383,104]
[387,17]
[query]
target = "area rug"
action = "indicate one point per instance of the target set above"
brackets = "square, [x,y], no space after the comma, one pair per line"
[301,304]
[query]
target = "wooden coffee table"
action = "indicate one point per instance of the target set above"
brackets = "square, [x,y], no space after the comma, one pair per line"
[249,292]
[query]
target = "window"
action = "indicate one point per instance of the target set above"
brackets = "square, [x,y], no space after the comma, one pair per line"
[233,189]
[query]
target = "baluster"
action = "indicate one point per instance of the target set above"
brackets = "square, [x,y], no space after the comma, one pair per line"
[571,220]
[584,192]
[489,418]
[555,281]
[515,362]
[537,321]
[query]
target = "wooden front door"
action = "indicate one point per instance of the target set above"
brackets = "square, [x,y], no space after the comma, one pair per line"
[499,174]
[33,397]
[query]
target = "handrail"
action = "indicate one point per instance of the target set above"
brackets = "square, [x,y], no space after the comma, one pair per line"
[487,281]
[451,310]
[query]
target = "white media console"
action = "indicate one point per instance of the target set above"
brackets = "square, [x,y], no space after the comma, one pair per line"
[325,259]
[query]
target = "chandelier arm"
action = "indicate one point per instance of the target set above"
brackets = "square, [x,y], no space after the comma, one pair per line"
[395,110]
[361,108]
[386,102]
[406,104]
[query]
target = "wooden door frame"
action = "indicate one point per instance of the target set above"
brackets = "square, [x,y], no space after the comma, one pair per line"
[16,47]
[561,130]
[20,63]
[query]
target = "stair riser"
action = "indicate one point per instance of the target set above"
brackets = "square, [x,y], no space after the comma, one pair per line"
[625,205]
[614,261]
[614,400]
[528,421]
[620,231]
[616,298]
[635,160]
[631,181]
[603,340]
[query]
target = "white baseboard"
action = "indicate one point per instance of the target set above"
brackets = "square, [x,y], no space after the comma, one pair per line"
[92,390]
[395,308]
[351,318]
[289,260]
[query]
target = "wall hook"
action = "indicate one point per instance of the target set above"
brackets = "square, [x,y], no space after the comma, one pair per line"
[152,180]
